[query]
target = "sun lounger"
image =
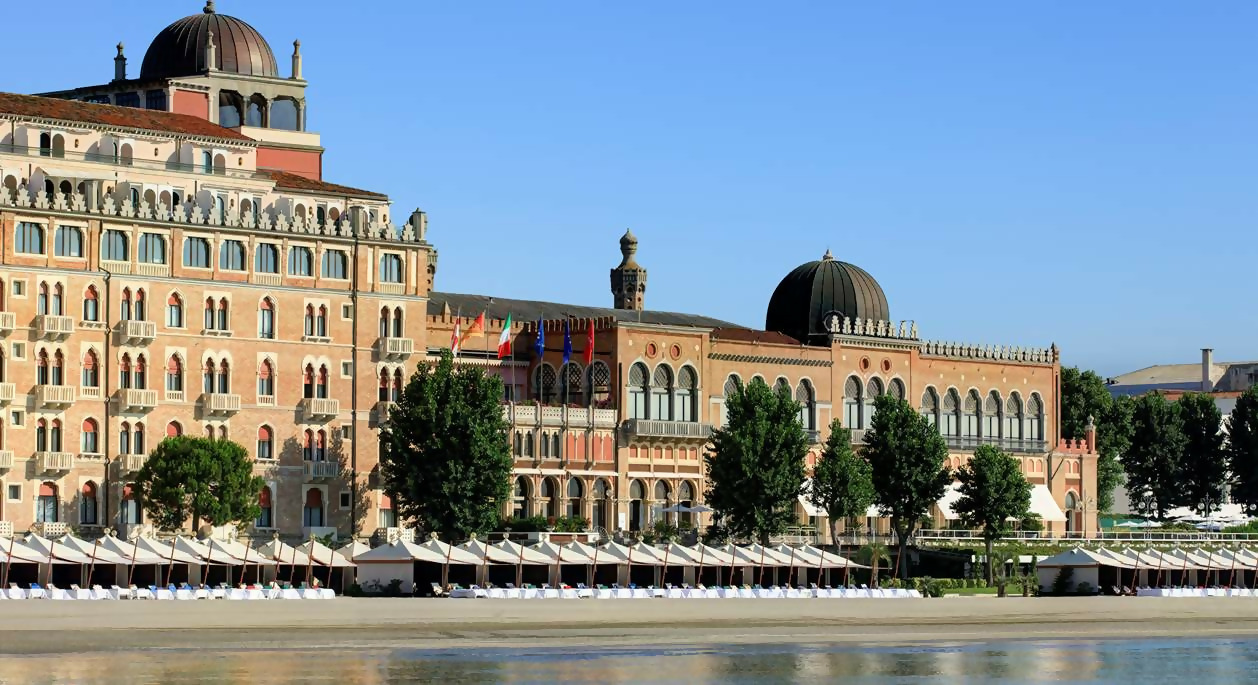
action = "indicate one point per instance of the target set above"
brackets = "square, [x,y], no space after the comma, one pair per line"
[57,593]
[16,592]
[36,592]
[76,592]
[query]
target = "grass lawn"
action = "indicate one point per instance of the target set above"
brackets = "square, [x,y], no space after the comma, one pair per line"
[974,591]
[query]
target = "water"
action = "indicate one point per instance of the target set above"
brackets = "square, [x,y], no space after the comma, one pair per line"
[1116,661]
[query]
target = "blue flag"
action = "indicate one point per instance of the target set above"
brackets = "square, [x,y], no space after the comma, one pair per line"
[539,346]
[567,343]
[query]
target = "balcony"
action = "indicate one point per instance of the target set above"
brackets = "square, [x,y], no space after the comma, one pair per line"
[50,530]
[8,321]
[396,348]
[220,403]
[970,442]
[6,529]
[48,326]
[54,395]
[6,460]
[53,462]
[136,400]
[858,436]
[137,332]
[382,409]
[321,470]
[673,430]
[814,437]
[313,408]
[7,392]
[604,418]
[131,463]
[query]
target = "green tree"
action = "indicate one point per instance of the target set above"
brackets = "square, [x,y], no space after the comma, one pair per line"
[907,456]
[446,450]
[1153,461]
[842,482]
[190,480]
[1203,467]
[873,555]
[1242,450]
[1084,397]
[756,462]
[993,492]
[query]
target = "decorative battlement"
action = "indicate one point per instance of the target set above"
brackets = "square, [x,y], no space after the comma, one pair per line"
[1077,447]
[191,214]
[1013,355]
[869,328]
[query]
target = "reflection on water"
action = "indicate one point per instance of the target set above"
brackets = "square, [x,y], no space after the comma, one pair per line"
[1202,661]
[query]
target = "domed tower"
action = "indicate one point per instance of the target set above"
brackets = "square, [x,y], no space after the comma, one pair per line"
[629,279]
[809,295]
[208,42]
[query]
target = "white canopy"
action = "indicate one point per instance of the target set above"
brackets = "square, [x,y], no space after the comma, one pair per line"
[818,558]
[245,555]
[1078,557]
[639,554]
[950,497]
[519,554]
[352,549]
[94,550]
[172,552]
[804,501]
[450,554]
[673,554]
[767,556]
[13,551]
[323,555]
[55,550]
[132,551]
[1182,559]
[705,555]
[1125,559]
[397,552]
[281,553]
[563,555]
[595,556]
[1044,504]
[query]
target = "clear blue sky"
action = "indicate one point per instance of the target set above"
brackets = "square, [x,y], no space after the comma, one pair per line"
[1012,173]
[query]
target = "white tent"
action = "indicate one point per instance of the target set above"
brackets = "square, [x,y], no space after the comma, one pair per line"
[950,497]
[13,551]
[1044,504]
[563,555]
[519,554]
[397,552]
[94,550]
[50,550]
[323,555]
[450,554]
[281,553]
[172,551]
[638,555]
[352,549]
[768,556]
[132,551]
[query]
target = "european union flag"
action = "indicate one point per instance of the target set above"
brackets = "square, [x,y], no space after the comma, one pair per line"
[539,346]
[567,343]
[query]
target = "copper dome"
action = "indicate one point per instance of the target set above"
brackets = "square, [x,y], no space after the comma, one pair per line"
[812,292]
[179,50]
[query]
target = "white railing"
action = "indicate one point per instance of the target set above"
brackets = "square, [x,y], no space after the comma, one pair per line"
[174,395]
[391,288]
[7,392]
[48,326]
[137,399]
[6,529]
[138,331]
[54,395]
[132,463]
[604,418]
[6,459]
[397,347]
[268,279]
[53,462]
[51,529]
[649,428]
[314,407]
[322,470]
[116,267]
[152,269]
[8,321]
[88,392]
[222,403]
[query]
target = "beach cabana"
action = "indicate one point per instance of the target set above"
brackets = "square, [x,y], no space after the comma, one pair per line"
[815,565]
[291,564]
[182,565]
[1086,566]
[678,568]
[352,549]
[340,568]
[237,555]
[712,565]
[24,565]
[568,565]
[394,561]
[61,575]
[637,563]
[143,566]
[532,567]
[104,566]
[603,569]
[458,566]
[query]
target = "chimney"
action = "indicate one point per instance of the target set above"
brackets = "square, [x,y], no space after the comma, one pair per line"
[297,60]
[1089,434]
[120,65]
[1207,362]
[419,224]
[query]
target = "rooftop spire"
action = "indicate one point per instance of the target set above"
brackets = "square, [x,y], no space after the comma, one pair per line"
[209,7]
[827,257]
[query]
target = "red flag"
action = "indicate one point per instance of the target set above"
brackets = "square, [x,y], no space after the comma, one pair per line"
[589,343]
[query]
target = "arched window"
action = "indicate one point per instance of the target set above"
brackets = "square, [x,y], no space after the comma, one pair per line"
[41,368]
[124,305]
[662,501]
[544,383]
[91,443]
[91,306]
[41,436]
[137,439]
[599,378]
[54,436]
[600,492]
[310,320]
[174,311]
[384,322]
[969,426]
[397,386]
[638,389]
[991,415]
[555,451]
[266,259]
[852,403]
[124,438]
[545,451]
[266,443]
[264,509]
[1013,417]
[57,308]
[114,245]
[308,445]
[124,372]
[528,445]
[41,301]
[782,385]
[58,368]
[266,319]
[207,377]
[685,498]
[266,379]
[385,385]
[896,389]
[312,513]
[575,492]
[152,248]
[47,505]
[807,405]
[571,384]
[662,393]
[174,375]
[139,309]
[224,321]
[1034,418]
[91,370]
[873,390]
[174,429]
[950,415]
[686,398]
[321,383]
[224,377]
[308,382]
[130,509]
[29,238]
[930,406]
[548,502]
[335,264]
[391,268]
[732,384]
[397,322]
[520,495]
[209,313]
[321,322]
[300,260]
[637,516]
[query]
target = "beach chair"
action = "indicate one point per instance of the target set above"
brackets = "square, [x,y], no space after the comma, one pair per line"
[436,590]
[99,592]
[76,592]
[219,592]
[55,592]
[16,592]
[36,592]
[183,592]
[119,593]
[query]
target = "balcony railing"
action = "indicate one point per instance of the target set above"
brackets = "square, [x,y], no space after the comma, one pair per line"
[54,395]
[383,407]
[50,530]
[8,391]
[48,326]
[221,403]
[136,332]
[137,400]
[132,463]
[397,348]
[6,460]
[321,470]
[8,321]
[134,162]
[677,430]
[6,529]
[316,407]
[53,462]
[971,442]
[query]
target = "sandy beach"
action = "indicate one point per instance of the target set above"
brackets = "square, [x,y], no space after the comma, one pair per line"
[45,627]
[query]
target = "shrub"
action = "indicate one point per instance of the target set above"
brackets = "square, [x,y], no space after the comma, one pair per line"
[1084,588]
[980,582]
[571,524]
[1065,578]
[393,589]
[355,590]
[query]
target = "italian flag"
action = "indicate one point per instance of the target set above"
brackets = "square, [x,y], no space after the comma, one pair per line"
[504,340]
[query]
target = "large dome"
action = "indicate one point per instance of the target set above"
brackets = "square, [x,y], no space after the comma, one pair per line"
[179,50]
[806,298]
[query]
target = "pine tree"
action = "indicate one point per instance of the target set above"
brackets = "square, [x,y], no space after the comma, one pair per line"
[756,462]
[1242,450]
[445,449]
[1153,460]
[993,490]
[907,456]
[191,480]
[1203,467]
[842,482]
